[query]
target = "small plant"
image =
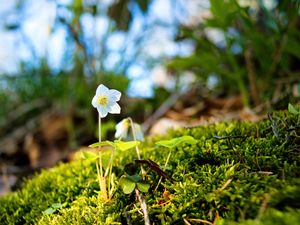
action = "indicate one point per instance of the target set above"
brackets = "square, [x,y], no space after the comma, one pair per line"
[105,101]
[107,162]
[135,182]
[171,144]
[54,207]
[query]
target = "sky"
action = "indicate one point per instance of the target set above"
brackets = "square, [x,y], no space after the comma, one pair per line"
[39,38]
[36,28]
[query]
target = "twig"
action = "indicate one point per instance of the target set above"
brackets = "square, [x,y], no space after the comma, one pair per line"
[186,221]
[155,167]
[80,43]
[143,206]
[161,110]
[262,172]
[263,207]
[228,137]
[199,221]
[24,109]
[225,185]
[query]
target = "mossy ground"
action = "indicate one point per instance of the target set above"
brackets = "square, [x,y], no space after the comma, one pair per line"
[237,173]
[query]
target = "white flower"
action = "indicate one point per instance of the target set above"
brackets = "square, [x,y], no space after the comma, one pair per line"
[105,101]
[123,127]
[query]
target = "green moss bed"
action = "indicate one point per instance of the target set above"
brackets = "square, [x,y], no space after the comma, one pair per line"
[237,173]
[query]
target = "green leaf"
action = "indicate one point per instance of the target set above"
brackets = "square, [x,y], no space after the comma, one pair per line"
[135,178]
[106,159]
[293,110]
[57,205]
[49,211]
[89,155]
[121,145]
[166,167]
[176,141]
[125,145]
[143,187]
[127,184]
[101,144]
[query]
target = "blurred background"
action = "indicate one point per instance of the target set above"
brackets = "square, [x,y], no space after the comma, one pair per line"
[177,63]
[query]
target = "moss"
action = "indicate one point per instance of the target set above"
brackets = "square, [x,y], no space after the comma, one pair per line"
[233,172]
[58,185]
[271,217]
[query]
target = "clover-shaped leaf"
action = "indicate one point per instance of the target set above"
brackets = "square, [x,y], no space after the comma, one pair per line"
[127,184]
[49,211]
[89,155]
[101,144]
[117,144]
[143,187]
[176,141]
[54,207]
[125,145]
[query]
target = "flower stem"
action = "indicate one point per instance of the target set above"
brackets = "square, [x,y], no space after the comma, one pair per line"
[98,173]
[99,148]
[102,180]
[136,147]
[134,138]
[166,163]
[110,189]
[108,172]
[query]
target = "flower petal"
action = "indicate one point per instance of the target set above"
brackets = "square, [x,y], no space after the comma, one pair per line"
[111,101]
[102,89]
[116,95]
[122,129]
[94,101]
[115,109]
[138,132]
[102,111]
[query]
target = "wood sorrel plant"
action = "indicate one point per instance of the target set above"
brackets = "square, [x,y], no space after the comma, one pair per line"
[131,183]
[171,144]
[105,101]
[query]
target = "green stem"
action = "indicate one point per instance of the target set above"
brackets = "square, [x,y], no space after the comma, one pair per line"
[98,174]
[99,148]
[134,137]
[102,180]
[110,191]
[108,172]
[136,147]
[166,163]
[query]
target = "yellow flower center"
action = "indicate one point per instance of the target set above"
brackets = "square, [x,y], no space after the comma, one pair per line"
[102,100]
[126,123]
